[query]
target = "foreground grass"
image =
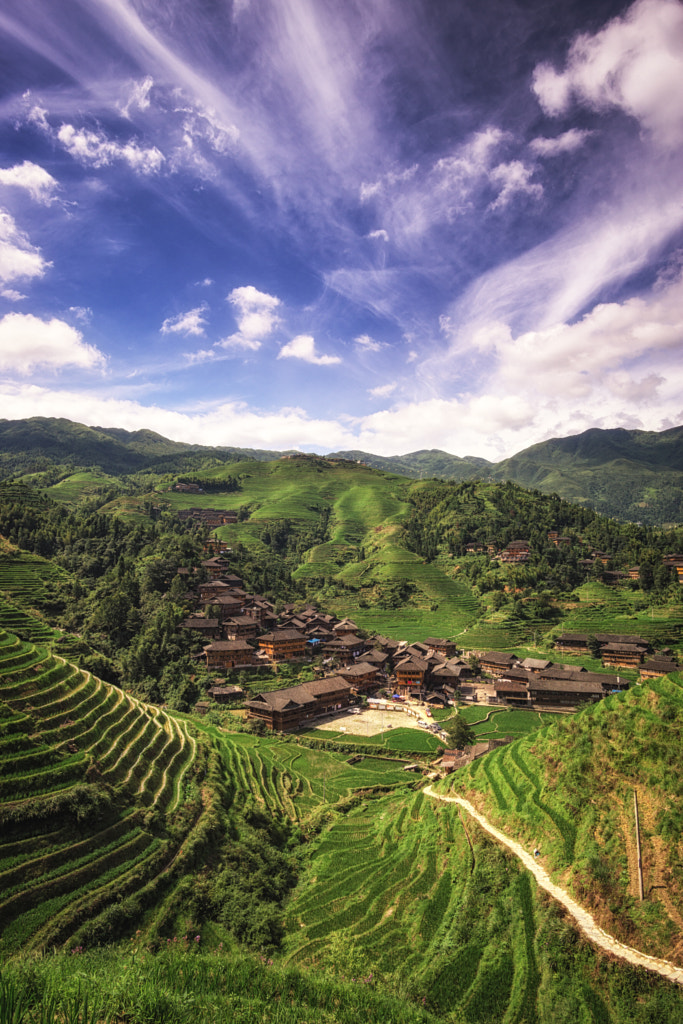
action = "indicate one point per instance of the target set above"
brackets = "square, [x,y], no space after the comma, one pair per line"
[183,985]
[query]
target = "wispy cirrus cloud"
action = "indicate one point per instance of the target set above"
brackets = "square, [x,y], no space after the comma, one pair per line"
[367,344]
[138,96]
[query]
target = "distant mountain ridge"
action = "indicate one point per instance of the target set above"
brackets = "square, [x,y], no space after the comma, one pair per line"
[631,474]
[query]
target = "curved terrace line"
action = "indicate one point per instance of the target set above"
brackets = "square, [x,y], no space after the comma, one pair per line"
[583,919]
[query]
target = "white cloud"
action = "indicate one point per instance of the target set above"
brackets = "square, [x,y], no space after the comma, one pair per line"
[231,423]
[39,184]
[203,355]
[256,317]
[420,200]
[192,322]
[81,313]
[138,96]
[12,295]
[303,347]
[606,340]
[27,342]
[36,115]
[379,235]
[513,179]
[18,258]
[206,126]
[95,149]
[567,142]
[635,63]
[368,344]
[387,183]
[383,390]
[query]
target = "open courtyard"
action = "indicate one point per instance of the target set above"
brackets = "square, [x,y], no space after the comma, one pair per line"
[371,721]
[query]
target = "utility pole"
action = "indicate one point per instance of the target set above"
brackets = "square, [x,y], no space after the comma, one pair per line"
[638,853]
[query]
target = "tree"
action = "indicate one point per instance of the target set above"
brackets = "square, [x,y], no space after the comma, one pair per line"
[460,734]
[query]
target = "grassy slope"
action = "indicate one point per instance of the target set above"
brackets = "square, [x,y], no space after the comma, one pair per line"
[569,790]
[364,551]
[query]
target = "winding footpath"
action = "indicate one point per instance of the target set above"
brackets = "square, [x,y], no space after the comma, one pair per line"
[584,920]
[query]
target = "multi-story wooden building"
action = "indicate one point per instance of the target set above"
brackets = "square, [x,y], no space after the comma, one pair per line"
[496,662]
[223,655]
[283,645]
[622,655]
[290,708]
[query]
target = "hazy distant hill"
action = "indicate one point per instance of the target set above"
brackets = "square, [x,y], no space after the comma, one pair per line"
[34,444]
[424,464]
[632,474]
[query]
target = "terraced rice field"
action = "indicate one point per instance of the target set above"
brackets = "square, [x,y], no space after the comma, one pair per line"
[25,625]
[399,890]
[84,769]
[286,778]
[605,609]
[26,577]
[567,789]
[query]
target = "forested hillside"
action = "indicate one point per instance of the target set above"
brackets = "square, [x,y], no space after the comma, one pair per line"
[633,475]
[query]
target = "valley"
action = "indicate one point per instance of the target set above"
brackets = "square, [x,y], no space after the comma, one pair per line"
[190,866]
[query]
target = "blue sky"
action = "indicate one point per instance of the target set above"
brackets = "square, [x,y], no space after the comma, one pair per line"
[385,225]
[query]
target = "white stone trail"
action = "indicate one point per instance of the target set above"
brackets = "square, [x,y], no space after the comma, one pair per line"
[584,920]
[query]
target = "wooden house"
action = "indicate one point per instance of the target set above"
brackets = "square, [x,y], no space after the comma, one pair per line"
[411,675]
[226,606]
[446,647]
[240,627]
[225,694]
[362,676]
[658,666]
[564,692]
[209,628]
[622,655]
[223,655]
[294,706]
[496,662]
[511,691]
[516,551]
[283,645]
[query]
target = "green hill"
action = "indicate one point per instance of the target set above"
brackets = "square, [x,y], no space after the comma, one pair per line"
[634,475]
[569,791]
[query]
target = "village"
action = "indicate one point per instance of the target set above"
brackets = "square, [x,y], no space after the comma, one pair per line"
[243,632]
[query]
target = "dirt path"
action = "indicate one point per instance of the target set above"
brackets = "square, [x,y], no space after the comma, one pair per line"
[584,920]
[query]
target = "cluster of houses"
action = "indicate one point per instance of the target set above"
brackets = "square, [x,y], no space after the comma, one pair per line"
[209,517]
[519,551]
[242,630]
[539,681]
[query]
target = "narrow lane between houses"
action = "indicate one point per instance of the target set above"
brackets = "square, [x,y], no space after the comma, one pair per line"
[583,919]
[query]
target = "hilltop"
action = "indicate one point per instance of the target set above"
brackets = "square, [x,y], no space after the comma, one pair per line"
[634,475]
